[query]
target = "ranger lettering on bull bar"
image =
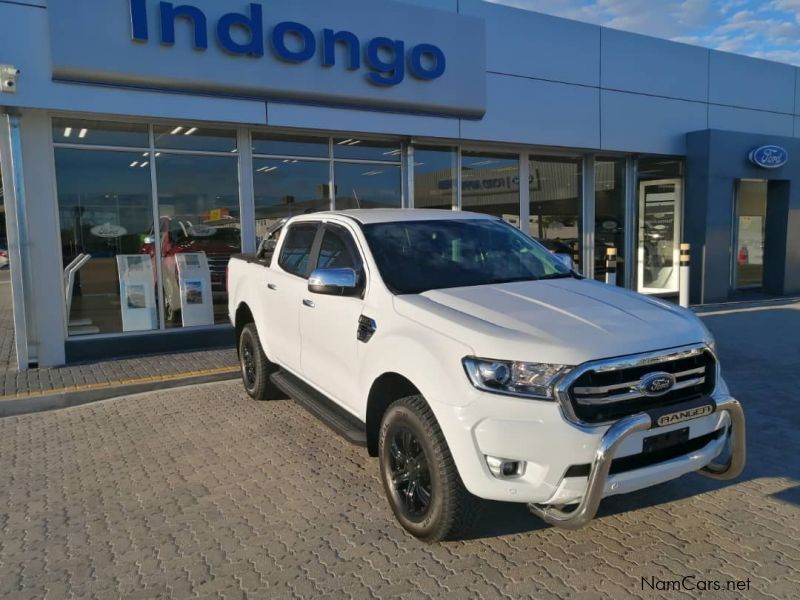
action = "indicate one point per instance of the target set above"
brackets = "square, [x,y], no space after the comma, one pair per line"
[474,364]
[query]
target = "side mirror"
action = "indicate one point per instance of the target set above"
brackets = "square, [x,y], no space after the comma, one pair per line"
[334,282]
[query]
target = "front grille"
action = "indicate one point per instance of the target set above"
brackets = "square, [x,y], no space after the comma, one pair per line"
[609,393]
[642,460]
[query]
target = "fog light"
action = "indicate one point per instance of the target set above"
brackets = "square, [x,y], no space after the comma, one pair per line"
[503,468]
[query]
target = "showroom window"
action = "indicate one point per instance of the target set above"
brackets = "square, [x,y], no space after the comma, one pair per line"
[367,174]
[609,215]
[556,205]
[106,213]
[435,177]
[106,175]
[490,184]
[199,224]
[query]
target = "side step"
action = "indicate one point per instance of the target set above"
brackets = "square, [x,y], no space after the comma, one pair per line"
[319,405]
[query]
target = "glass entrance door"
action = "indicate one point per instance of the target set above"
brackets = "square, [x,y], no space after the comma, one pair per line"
[659,236]
[749,230]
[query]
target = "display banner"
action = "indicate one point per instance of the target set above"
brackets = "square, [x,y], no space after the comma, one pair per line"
[194,277]
[137,292]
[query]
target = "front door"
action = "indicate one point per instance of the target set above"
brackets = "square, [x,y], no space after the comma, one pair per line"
[329,324]
[659,236]
[749,234]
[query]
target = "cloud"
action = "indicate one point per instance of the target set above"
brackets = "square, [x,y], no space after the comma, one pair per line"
[762,28]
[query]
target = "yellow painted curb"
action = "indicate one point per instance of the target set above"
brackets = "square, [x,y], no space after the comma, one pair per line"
[109,384]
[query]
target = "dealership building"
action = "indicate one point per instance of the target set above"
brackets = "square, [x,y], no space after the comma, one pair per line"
[143,143]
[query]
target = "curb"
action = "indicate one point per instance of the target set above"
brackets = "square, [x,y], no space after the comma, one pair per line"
[24,405]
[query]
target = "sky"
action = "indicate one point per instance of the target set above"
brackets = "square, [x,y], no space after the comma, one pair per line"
[762,28]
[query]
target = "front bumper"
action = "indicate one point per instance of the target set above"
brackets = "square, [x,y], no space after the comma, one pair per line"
[596,488]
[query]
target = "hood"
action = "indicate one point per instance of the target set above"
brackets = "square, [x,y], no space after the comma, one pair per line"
[565,321]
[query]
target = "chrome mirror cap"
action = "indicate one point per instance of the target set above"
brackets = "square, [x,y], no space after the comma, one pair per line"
[334,282]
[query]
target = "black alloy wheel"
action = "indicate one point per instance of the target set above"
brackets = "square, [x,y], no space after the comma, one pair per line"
[256,367]
[410,472]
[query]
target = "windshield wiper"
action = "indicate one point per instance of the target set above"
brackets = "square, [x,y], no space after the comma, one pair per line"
[556,276]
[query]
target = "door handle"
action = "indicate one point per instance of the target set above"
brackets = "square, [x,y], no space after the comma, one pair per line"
[308,303]
[272,286]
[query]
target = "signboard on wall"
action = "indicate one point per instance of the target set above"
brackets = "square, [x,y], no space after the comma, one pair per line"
[357,53]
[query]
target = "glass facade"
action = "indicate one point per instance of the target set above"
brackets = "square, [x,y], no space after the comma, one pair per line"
[435,177]
[556,205]
[609,215]
[131,192]
[490,184]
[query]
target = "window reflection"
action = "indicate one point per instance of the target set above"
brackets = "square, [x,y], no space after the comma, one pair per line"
[609,215]
[288,187]
[555,205]
[195,137]
[100,133]
[357,148]
[105,212]
[435,177]
[286,145]
[367,186]
[198,199]
[490,185]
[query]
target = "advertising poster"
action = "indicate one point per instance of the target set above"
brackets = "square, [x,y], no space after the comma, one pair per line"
[137,292]
[194,277]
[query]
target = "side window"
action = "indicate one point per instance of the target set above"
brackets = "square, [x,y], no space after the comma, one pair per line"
[296,250]
[337,250]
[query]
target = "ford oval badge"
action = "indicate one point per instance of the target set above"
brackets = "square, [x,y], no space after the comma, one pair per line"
[769,157]
[656,384]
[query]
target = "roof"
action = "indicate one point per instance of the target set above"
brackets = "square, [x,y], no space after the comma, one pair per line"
[390,215]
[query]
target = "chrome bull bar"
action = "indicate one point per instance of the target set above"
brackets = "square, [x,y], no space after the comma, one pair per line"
[609,444]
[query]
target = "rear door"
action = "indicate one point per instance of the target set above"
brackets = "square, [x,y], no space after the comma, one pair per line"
[329,324]
[284,289]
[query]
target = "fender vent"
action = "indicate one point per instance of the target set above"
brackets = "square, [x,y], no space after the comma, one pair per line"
[366,328]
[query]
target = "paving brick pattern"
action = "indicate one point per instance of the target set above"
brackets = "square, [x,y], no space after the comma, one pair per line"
[201,492]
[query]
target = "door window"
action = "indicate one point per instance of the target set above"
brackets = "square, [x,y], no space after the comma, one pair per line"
[295,255]
[751,213]
[337,250]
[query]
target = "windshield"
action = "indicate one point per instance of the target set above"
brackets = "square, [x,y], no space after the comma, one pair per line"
[417,256]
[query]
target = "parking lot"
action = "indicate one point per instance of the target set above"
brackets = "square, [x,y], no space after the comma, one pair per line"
[201,492]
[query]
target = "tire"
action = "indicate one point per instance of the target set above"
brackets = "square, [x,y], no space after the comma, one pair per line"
[255,366]
[412,450]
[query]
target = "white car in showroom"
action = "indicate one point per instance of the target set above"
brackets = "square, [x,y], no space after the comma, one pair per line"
[474,364]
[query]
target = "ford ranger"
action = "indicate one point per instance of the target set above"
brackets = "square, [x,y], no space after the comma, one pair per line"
[475,364]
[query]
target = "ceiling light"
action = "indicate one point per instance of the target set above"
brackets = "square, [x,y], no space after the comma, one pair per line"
[82,133]
[347,141]
[68,132]
[134,163]
[158,154]
[176,131]
[144,164]
[191,131]
[354,143]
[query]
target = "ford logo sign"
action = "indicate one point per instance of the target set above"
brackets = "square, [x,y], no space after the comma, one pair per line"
[656,384]
[769,157]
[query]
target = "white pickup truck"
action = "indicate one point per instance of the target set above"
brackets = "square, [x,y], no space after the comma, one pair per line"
[475,364]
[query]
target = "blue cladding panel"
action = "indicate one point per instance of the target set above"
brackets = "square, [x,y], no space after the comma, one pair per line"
[751,83]
[636,63]
[535,45]
[749,121]
[648,123]
[538,112]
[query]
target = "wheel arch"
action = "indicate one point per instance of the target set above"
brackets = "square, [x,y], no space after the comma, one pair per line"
[385,390]
[243,316]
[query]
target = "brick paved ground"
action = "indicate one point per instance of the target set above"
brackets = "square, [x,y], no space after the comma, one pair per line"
[200,492]
[73,377]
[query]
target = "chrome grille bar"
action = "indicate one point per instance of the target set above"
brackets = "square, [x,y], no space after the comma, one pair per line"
[633,394]
[595,391]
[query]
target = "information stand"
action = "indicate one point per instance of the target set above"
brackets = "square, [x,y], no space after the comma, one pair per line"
[194,277]
[137,292]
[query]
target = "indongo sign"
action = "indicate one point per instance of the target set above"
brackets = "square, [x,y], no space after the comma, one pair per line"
[351,53]
[769,157]
[243,34]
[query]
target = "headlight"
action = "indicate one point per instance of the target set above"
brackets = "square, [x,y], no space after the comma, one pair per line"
[513,378]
